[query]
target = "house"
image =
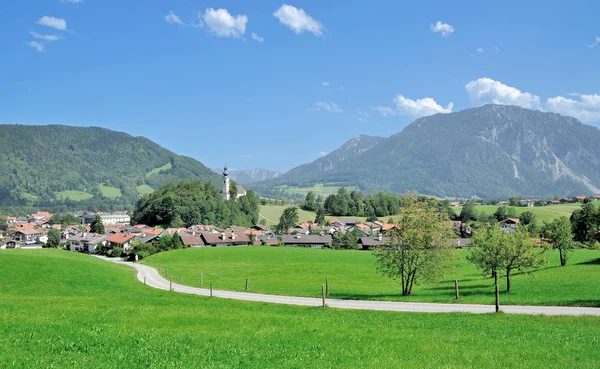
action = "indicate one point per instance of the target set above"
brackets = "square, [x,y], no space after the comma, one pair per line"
[86,242]
[41,215]
[267,240]
[225,239]
[146,237]
[566,200]
[553,202]
[527,203]
[262,227]
[12,244]
[122,240]
[388,227]
[191,239]
[312,241]
[370,243]
[299,231]
[349,222]
[509,225]
[31,235]
[460,242]
[580,198]
[503,203]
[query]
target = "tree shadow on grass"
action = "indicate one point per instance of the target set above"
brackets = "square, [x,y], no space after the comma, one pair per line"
[590,262]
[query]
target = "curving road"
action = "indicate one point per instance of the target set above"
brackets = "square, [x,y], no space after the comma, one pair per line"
[152,278]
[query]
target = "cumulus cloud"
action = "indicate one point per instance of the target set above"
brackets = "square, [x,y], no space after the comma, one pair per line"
[332,107]
[257,37]
[444,28]
[586,108]
[486,90]
[325,84]
[413,108]
[480,50]
[323,153]
[596,42]
[44,37]
[223,24]
[171,18]
[298,21]
[36,45]
[57,23]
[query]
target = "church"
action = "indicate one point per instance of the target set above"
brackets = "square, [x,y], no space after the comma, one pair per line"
[241,191]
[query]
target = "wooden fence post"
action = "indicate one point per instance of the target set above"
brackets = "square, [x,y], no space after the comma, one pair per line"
[326,286]
[323,294]
[497,298]
[246,284]
[211,290]
[144,280]
[456,289]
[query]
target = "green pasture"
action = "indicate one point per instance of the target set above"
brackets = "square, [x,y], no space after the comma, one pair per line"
[542,213]
[109,192]
[74,195]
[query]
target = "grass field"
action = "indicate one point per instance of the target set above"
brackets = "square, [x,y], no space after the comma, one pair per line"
[271,214]
[353,275]
[319,189]
[542,213]
[61,309]
[159,169]
[29,196]
[74,195]
[109,192]
[144,189]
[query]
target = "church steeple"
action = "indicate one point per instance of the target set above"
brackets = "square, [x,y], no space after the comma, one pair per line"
[226,194]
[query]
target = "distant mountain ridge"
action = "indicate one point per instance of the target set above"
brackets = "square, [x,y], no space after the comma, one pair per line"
[247,176]
[490,151]
[54,164]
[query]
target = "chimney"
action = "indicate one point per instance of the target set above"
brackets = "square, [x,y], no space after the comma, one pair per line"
[193,233]
[380,237]
[223,236]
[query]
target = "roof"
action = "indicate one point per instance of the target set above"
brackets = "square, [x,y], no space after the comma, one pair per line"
[41,214]
[146,237]
[511,221]
[93,238]
[261,227]
[216,238]
[189,239]
[30,232]
[306,240]
[349,221]
[387,227]
[120,238]
[372,241]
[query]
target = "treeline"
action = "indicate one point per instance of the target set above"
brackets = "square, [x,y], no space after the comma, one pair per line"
[193,202]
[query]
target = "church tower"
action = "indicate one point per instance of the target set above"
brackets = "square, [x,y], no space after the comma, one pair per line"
[225,184]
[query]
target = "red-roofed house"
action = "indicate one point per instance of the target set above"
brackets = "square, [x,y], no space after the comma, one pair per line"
[122,240]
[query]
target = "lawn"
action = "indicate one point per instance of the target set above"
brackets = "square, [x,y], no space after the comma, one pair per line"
[159,169]
[320,189]
[271,213]
[109,192]
[353,275]
[144,189]
[61,309]
[542,213]
[74,195]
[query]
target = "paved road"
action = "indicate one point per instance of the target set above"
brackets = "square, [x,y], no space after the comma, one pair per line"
[152,278]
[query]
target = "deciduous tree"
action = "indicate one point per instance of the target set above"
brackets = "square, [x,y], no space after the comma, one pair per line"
[97,226]
[53,238]
[288,219]
[558,234]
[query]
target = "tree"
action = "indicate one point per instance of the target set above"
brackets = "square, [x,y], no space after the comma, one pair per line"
[263,221]
[486,252]
[527,217]
[3,224]
[468,212]
[558,234]
[97,226]
[309,203]
[320,217]
[520,254]
[584,223]
[288,219]
[500,213]
[233,190]
[53,238]
[177,222]
[419,247]
[372,218]
[514,201]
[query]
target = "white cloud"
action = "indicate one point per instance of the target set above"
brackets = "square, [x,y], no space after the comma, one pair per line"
[325,84]
[496,48]
[486,90]
[444,28]
[298,21]
[413,108]
[480,50]
[332,107]
[323,153]
[223,24]
[44,37]
[72,1]
[58,23]
[257,37]
[386,111]
[596,42]
[36,45]
[171,18]
[586,109]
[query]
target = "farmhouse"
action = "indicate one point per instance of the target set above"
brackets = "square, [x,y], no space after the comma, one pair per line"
[312,241]
[370,243]
[86,242]
[31,235]
[509,225]
[12,244]
[122,240]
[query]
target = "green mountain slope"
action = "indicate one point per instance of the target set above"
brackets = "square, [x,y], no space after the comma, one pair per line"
[490,151]
[54,165]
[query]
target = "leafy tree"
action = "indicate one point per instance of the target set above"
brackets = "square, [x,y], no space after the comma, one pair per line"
[527,218]
[233,191]
[288,219]
[97,226]
[263,221]
[419,247]
[584,223]
[558,234]
[511,212]
[53,238]
[520,254]
[468,212]
[372,218]
[320,217]
[165,242]
[177,222]
[143,250]
[487,250]
[309,203]
[3,224]
[514,201]
[176,242]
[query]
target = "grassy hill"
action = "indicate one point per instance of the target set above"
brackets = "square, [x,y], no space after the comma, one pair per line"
[353,275]
[61,309]
[542,213]
[77,167]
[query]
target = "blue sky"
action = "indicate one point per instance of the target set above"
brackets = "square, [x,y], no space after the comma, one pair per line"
[273,85]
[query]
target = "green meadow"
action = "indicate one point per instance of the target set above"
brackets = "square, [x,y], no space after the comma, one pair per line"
[60,309]
[353,274]
[542,213]
[109,192]
[74,195]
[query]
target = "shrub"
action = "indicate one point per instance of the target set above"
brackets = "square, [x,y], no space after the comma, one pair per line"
[117,251]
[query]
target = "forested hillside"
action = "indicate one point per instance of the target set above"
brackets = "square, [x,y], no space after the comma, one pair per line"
[62,167]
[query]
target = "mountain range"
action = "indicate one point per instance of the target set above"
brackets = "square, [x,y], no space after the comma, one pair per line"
[54,164]
[490,151]
[248,176]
